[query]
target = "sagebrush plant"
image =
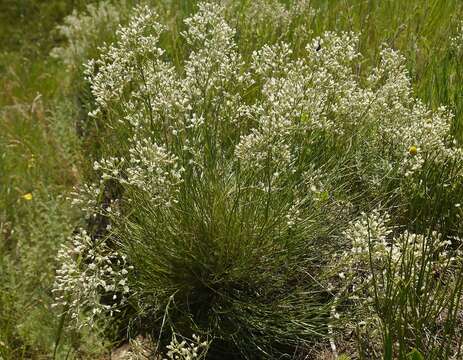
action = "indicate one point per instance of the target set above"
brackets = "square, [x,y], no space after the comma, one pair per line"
[233,192]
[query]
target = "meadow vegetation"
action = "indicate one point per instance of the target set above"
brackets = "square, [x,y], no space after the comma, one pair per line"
[231,179]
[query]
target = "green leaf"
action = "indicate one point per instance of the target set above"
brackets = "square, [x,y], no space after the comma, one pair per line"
[415,355]
[343,357]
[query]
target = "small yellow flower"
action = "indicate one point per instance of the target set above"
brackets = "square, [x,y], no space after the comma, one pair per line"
[27,196]
[413,150]
[31,162]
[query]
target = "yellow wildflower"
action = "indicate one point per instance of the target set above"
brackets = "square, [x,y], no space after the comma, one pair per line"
[31,161]
[27,196]
[413,150]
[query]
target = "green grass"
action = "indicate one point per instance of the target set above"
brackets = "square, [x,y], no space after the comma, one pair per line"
[39,156]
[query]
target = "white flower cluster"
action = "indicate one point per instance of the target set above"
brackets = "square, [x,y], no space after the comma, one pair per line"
[149,167]
[122,63]
[369,233]
[375,248]
[86,198]
[154,171]
[187,350]
[456,41]
[135,87]
[261,12]
[270,20]
[299,100]
[213,70]
[322,93]
[84,32]
[90,269]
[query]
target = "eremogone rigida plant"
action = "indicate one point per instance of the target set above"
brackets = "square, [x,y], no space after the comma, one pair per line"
[235,179]
[399,290]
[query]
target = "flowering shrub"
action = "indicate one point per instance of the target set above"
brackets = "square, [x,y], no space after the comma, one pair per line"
[235,175]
